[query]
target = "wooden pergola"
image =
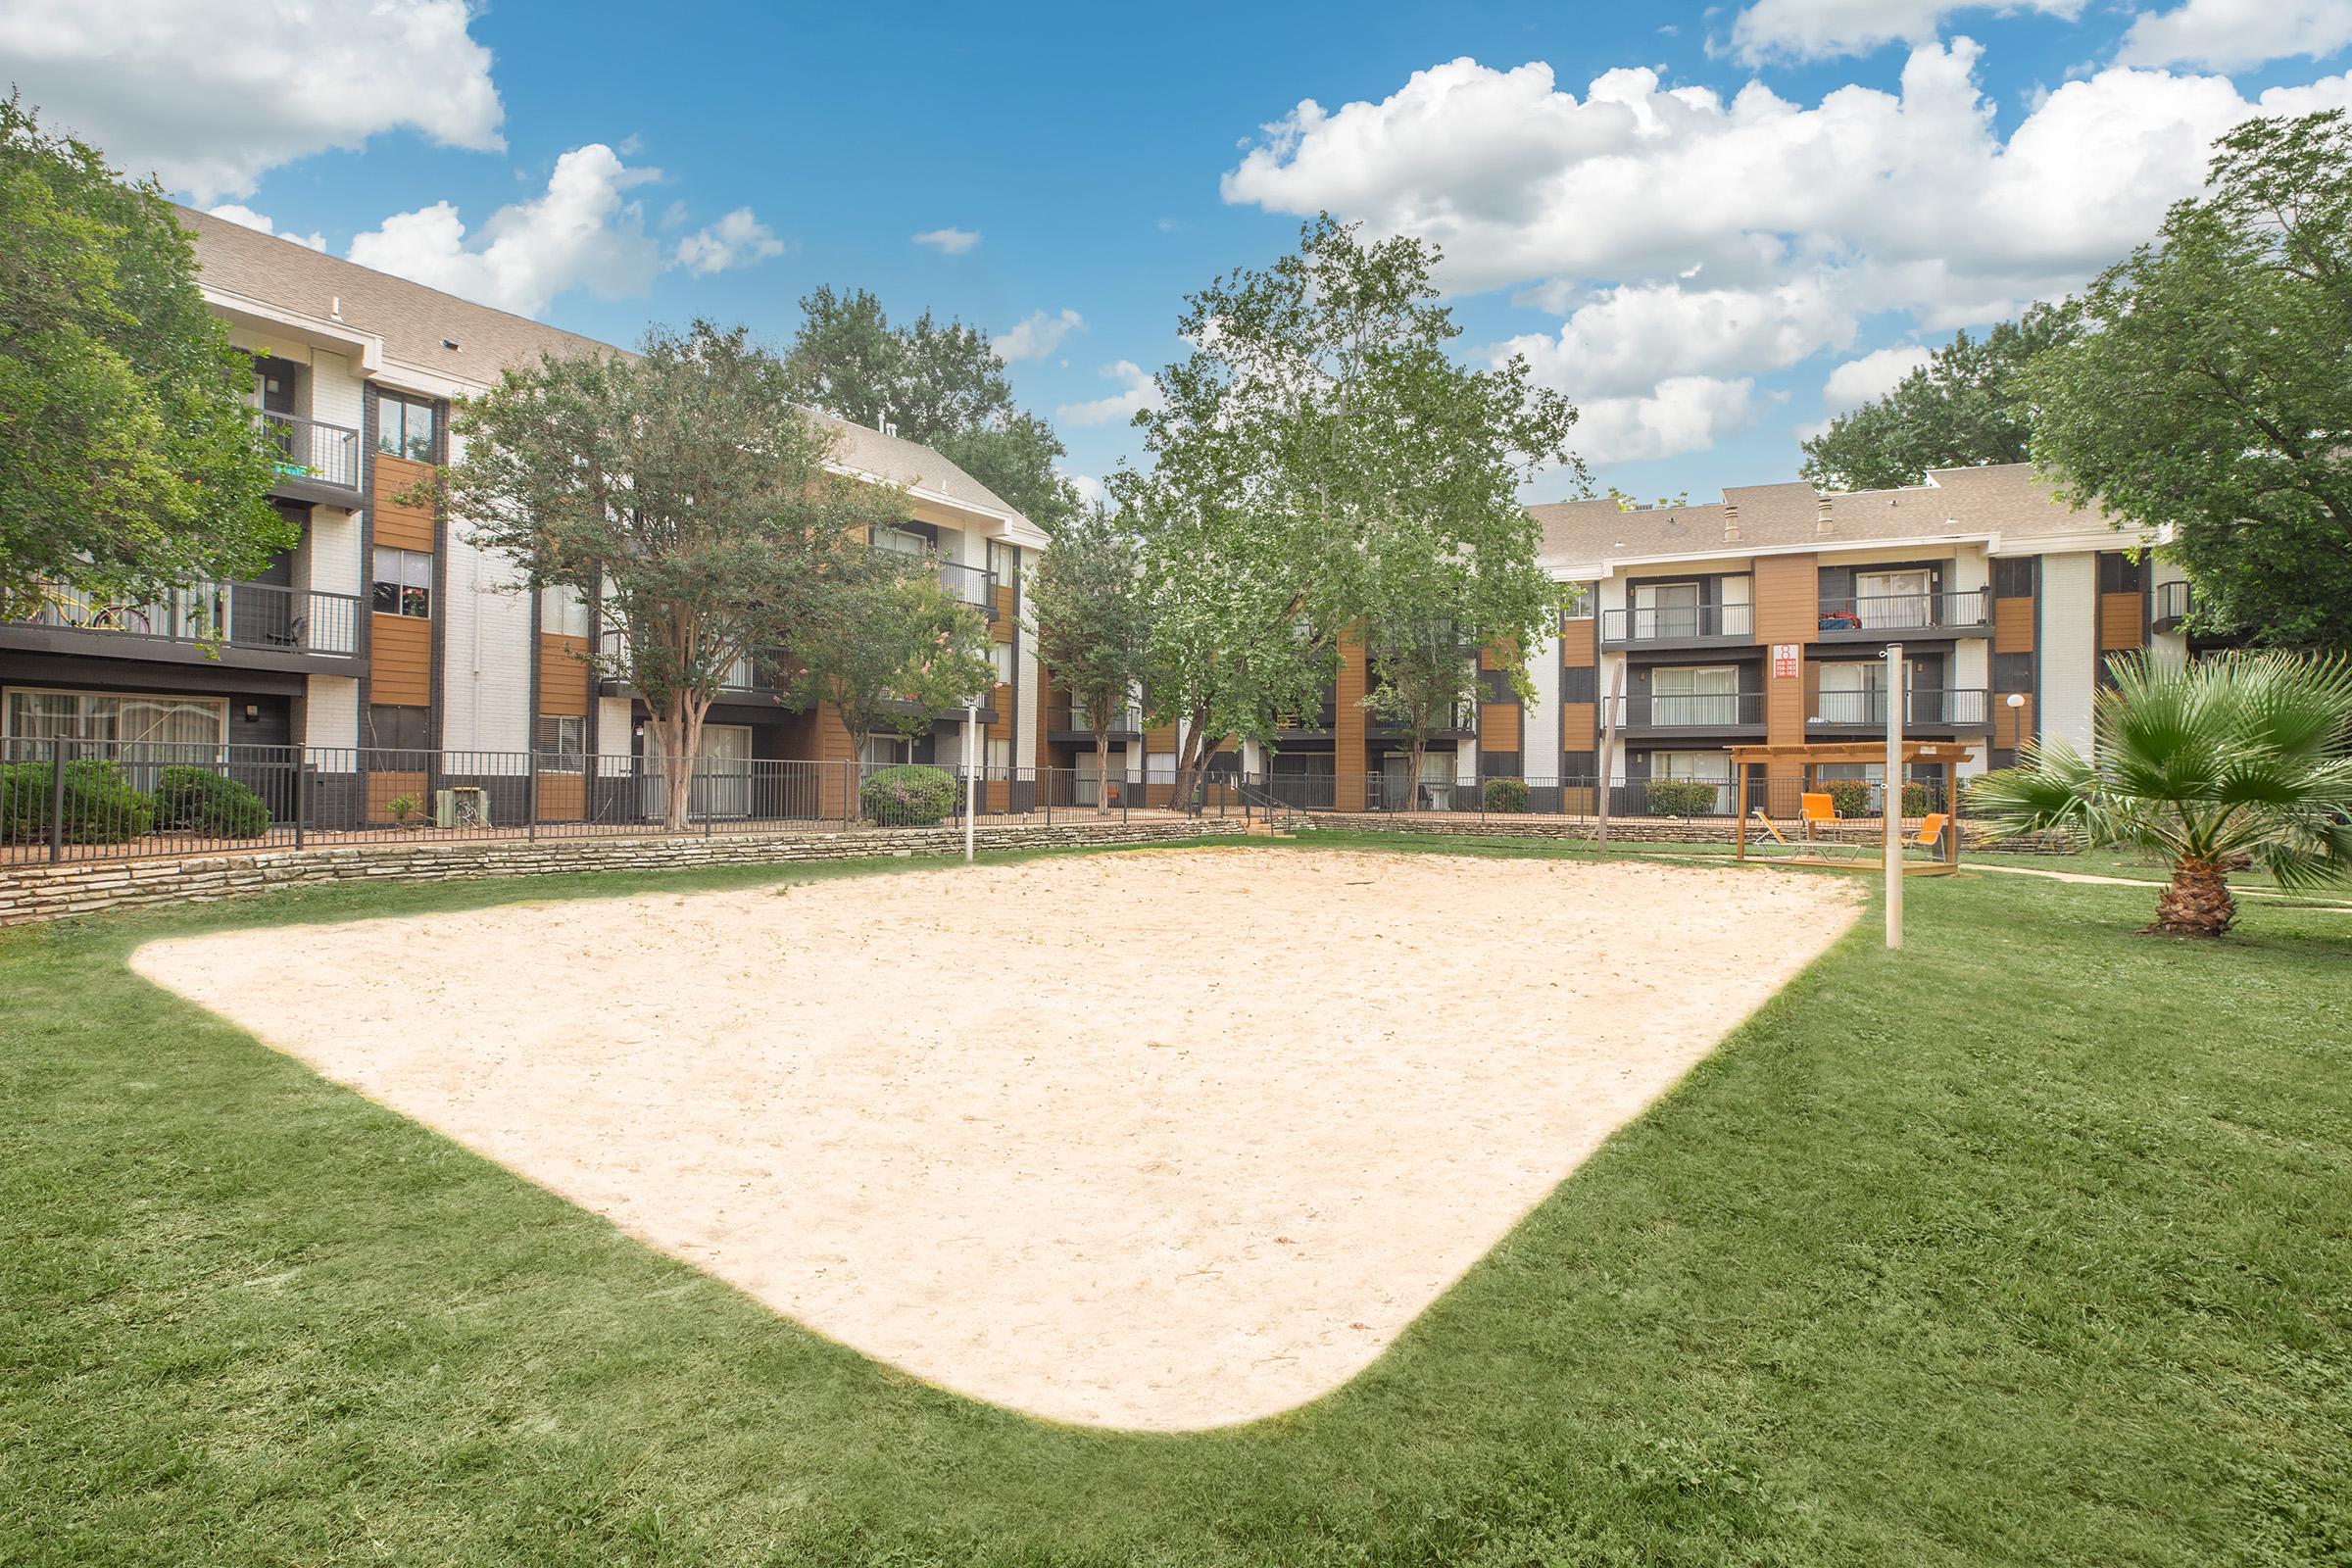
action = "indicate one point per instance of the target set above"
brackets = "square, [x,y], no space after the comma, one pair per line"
[1949,755]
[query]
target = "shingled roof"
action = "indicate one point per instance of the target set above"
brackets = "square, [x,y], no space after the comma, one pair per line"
[2003,499]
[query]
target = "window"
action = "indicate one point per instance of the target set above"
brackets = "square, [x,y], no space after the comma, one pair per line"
[1580,683]
[2013,672]
[886,751]
[1160,767]
[400,730]
[404,583]
[1708,768]
[562,613]
[2119,573]
[1001,660]
[1576,604]
[1666,610]
[902,540]
[2013,577]
[561,743]
[177,724]
[1892,600]
[1000,753]
[1580,765]
[1495,686]
[404,428]
[1005,561]
[1695,695]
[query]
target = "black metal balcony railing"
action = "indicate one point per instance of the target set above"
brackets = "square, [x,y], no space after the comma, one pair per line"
[1459,719]
[1325,715]
[2169,605]
[1894,612]
[1693,710]
[1675,623]
[312,450]
[1953,708]
[242,615]
[1066,720]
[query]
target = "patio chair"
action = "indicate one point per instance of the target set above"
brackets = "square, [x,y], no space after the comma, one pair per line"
[1819,809]
[1930,838]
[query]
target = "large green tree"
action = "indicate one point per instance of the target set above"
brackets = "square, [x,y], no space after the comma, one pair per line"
[1092,624]
[130,461]
[893,654]
[940,385]
[1965,406]
[1322,463]
[2211,387]
[683,494]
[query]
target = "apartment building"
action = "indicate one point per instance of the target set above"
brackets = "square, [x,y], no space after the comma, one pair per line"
[388,648]
[1765,618]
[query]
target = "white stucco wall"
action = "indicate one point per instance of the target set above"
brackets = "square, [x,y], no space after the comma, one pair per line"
[1540,720]
[2068,641]
[330,708]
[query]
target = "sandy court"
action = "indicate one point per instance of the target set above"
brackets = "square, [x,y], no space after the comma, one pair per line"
[1162,1138]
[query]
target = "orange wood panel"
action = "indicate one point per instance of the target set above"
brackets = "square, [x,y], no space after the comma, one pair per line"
[1349,756]
[2120,621]
[1787,595]
[2013,625]
[399,666]
[562,674]
[1576,641]
[2012,726]
[563,797]
[1580,727]
[836,747]
[1004,621]
[1498,727]
[385,788]
[399,522]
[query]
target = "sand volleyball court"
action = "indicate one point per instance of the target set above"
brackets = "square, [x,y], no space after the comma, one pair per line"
[1164,1140]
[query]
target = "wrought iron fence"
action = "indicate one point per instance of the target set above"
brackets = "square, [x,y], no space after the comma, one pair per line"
[240,614]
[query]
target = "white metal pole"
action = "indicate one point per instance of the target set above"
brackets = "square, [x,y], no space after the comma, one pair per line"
[971,775]
[1896,697]
[1608,754]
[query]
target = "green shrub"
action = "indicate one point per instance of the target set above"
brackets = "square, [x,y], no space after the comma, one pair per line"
[101,807]
[1506,795]
[202,801]
[1680,797]
[909,796]
[1848,796]
[1915,798]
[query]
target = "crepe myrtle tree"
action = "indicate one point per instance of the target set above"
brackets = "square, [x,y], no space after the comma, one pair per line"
[130,462]
[893,654]
[2239,759]
[1093,624]
[1319,434]
[684,496]
[2206,388]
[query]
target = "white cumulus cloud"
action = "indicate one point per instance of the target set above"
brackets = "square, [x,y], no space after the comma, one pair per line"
[1627,338]
[2234,34]
[209,94]
[1037,336]
[1136,392]
[237,213]
[1681,414]
[584,232]
[949,241]
[1091,491]
[1872,376]
[1813,29]
[736,240]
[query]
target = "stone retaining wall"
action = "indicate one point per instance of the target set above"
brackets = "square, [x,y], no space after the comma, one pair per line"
[52,892]
[1622,830]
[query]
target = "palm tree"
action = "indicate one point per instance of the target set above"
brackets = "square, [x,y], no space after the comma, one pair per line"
[2236,759]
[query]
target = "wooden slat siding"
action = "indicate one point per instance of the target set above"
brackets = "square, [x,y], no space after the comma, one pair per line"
[2013,625]
[835,746]
[1498,728]
[1576,642]
[1579,730]
[1349,756]
[2120,617]
[562,674]
[1004,621]
[563,797]
[399,526]
[1787,591]
[399,663]
[385,788]
[2012,728]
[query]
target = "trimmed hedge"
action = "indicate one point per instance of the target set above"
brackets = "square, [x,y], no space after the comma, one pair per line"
[909,796]
[1850,796]
[100,804]
[202,801]
[1506,795]
[1680,797]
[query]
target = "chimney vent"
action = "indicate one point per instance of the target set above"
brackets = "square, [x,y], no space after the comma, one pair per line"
[1821,516]
[1730,522]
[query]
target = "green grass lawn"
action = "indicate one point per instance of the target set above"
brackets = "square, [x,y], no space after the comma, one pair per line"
[2029,1244]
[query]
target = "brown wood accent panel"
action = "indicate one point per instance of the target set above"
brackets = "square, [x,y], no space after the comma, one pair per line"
[385,788]
[1498,728]
[1349,756]
[836,747]
[1004,619]
[1161,738]
[563,797]
[1580,727]
[399,663]
[1577,640]
[397,523]
[2122,617]
[1787,593]
[2012,728]
[2013,625]
[563,675]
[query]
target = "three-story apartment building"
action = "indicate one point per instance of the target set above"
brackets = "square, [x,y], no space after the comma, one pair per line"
[388,648]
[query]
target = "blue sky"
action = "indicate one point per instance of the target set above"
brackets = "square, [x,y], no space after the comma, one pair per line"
[1796,197]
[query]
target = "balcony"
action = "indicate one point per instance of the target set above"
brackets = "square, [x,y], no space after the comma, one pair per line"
[1460,720]
[1066,723]
[284,629]
[1678,626]
[1875,617]
[1924,707]
[967,585]
[317,461]
[1695,711]
[2170,606]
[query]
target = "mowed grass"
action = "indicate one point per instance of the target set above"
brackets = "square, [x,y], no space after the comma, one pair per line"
[2029,1244]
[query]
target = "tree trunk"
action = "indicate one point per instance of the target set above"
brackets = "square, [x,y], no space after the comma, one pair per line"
[1416,757]
[677,732]
[2198,903]
[1101,767]
[1192,756]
